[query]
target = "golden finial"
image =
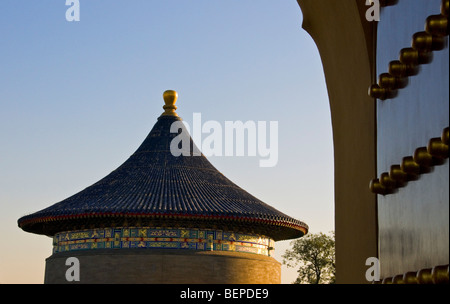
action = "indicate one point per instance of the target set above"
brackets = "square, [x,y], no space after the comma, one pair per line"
[170,98]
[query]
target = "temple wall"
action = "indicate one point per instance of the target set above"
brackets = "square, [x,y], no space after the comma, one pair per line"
[141,266]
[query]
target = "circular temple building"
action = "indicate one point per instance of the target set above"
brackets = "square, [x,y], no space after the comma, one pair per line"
[161,218]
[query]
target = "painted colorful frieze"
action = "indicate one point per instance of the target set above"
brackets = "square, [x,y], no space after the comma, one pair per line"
[161,238]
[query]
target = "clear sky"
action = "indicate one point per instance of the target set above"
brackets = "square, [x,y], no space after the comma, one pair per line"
[78,98]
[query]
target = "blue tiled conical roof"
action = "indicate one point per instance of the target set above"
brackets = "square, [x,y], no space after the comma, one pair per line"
[153,188]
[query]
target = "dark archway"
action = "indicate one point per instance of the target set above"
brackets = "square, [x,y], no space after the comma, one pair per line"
[345,41]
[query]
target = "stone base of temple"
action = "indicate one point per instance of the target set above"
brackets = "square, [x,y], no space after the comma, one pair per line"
[144,266]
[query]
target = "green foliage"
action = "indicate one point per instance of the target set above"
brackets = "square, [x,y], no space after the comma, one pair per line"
[314,254]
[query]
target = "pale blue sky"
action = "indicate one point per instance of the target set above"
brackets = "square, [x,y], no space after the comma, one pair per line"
[78,98]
